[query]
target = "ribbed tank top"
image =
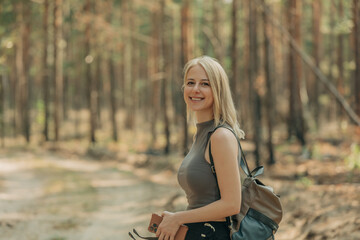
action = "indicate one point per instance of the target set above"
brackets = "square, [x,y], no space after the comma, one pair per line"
[195,175]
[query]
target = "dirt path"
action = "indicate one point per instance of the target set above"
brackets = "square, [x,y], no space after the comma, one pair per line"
[47,196]
[50,198]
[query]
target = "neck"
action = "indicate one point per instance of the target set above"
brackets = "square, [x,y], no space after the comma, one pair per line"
[204,117]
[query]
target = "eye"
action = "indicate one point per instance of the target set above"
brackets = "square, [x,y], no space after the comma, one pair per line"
[205,84]
[189,83]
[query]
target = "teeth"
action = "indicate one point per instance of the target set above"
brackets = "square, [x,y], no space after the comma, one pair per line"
[196,99]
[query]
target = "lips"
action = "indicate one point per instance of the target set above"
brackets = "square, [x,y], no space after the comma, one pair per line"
[196,98]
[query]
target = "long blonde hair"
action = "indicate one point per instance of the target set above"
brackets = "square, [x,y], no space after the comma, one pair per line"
[223,107]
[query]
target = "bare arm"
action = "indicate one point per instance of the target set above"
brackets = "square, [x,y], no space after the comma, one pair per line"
[224,150]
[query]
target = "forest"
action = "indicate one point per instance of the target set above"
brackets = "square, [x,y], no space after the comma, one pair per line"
[91,103]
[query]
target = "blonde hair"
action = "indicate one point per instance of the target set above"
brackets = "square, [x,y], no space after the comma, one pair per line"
[223,107]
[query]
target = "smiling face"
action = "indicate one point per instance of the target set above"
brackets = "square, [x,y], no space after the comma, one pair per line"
[198,94]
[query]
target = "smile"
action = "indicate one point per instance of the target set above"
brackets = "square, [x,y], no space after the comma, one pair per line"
[196,98]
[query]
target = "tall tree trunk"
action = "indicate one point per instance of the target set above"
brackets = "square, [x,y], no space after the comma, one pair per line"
[246,102]
[91,93]
[13,93]
[113,101]
[45,73]
[234,50]
[154,73]
[296,122]
[165,69]
[331,56]
[130,65]
[314,85]
[98,89]
[176,67]
[269,94]
[78,94]
[68,52]
[356,20]
[216,23]
[58,65]
[186,51]
[340,60]
[100,11]
[2,111]
[291,67]
[253,77]
[309,62]
[22,66]
[28,83]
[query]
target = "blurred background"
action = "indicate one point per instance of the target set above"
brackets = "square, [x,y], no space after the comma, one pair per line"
[93,124]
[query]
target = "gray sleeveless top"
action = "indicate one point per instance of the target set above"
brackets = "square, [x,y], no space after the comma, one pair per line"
[195,175]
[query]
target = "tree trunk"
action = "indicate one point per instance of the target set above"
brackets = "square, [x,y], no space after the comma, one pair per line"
[113,100]
[175,53]
[22,62]
[356,20]
[2,111]
[234,50]
[314,85]
[331,57]
[58,65]
[186,51]
[98,89]
[253,77]
[26,57]
[78,94]
[13,93]
[218,35]
[91,93]
[307,60]
[269,94]
[246,102]
[296,122]
[130,65]
[68,50]
[100,10]
[340,60]
[165,69]
[45,73]
[154,75]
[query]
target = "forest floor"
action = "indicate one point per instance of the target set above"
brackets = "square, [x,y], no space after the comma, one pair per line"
[67,193]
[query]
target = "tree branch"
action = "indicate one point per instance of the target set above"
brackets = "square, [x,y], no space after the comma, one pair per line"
[310,62]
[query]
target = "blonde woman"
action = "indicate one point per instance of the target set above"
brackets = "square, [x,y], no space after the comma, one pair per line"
[208,98]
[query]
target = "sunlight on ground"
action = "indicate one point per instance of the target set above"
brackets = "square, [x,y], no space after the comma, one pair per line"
[69,192]
[46,197]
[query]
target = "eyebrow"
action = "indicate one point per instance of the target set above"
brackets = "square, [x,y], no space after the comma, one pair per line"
[204,79]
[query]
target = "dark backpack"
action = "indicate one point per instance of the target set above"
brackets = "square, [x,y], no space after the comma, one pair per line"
[261,210]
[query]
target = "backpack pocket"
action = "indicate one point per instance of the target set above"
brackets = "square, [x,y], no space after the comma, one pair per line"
[254,226]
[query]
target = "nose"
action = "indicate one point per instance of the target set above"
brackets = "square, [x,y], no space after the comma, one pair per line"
[196,87]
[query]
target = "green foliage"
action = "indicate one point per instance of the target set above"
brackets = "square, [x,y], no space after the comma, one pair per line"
[353,160]
[344,26]
[40,107]
[7,16]
[305,182]
[315,153]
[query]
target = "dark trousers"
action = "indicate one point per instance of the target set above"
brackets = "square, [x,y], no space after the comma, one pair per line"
[208,231]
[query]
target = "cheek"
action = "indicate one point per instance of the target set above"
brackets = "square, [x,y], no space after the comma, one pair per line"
[210,96]
[186,94]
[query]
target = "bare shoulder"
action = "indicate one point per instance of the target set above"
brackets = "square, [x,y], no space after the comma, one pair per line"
[224,146]
[223,136]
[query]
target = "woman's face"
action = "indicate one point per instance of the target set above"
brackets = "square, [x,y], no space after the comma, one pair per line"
[197,92]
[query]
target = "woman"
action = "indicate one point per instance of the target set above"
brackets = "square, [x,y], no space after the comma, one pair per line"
[207,95]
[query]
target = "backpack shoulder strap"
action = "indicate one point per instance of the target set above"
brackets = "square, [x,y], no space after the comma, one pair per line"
[243,162]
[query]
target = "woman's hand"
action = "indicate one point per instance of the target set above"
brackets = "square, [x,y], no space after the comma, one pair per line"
[168,226]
